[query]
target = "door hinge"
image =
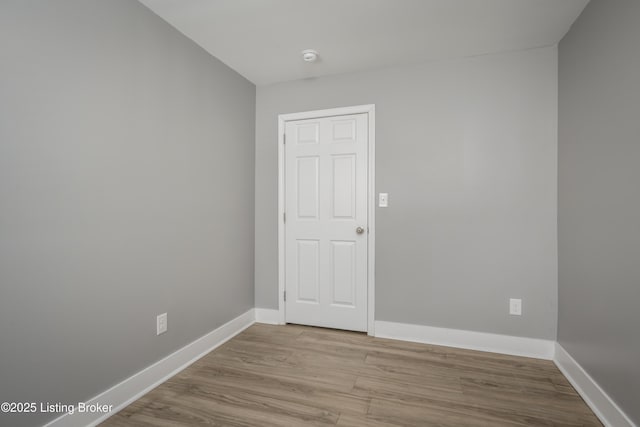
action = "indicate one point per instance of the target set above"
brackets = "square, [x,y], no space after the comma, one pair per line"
[284,138]
[285,296]
[284,217]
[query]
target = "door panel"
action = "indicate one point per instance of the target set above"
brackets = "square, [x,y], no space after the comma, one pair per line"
[308,271]
[326,201]
[343,188]
[307,187]
[344,130]
[308,133]
[343,269]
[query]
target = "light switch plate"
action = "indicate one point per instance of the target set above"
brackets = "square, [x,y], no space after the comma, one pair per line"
[383,200]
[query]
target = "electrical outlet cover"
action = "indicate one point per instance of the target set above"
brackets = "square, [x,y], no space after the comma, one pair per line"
[515,306]
[161,324]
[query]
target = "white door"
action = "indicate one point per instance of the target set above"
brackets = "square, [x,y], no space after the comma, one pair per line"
[326,221]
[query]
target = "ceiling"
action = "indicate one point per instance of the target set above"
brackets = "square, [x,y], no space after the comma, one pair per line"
[262,39]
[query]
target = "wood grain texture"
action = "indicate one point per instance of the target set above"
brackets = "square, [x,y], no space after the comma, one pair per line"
[296,375]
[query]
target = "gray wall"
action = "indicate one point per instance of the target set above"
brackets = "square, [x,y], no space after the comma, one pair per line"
[467,150]
[126,190]
[599,197]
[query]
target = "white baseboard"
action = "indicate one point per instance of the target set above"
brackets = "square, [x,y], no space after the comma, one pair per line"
[269,316]
[599,401]
[482,341]
[136,386]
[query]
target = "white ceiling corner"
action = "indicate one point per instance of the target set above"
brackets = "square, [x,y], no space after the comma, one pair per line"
[263,39]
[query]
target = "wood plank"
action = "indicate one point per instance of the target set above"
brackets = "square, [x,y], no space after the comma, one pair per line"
[297,375]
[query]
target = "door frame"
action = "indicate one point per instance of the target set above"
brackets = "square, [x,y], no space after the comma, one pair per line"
[368,109]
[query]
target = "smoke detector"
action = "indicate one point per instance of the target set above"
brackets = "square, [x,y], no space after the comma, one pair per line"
[309,55]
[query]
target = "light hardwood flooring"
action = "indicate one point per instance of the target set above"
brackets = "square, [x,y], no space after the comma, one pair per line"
[296,376]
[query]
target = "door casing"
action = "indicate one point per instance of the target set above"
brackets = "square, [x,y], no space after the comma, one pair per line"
[371,199]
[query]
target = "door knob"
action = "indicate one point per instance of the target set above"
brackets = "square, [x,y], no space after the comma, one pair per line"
[359,230]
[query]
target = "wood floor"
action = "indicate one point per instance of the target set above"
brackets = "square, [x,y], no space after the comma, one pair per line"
[297,376]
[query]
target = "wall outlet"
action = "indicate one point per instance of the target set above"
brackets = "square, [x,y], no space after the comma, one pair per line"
[161,324]
[515,306]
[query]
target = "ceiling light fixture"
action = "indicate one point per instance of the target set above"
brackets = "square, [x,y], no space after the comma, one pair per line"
[309,55]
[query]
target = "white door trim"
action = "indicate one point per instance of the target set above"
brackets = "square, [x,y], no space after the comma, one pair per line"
[282,119]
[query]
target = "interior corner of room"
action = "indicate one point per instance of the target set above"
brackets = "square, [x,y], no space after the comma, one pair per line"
[159,189]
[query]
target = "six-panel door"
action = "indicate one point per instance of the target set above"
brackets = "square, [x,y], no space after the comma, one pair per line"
[325,204]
